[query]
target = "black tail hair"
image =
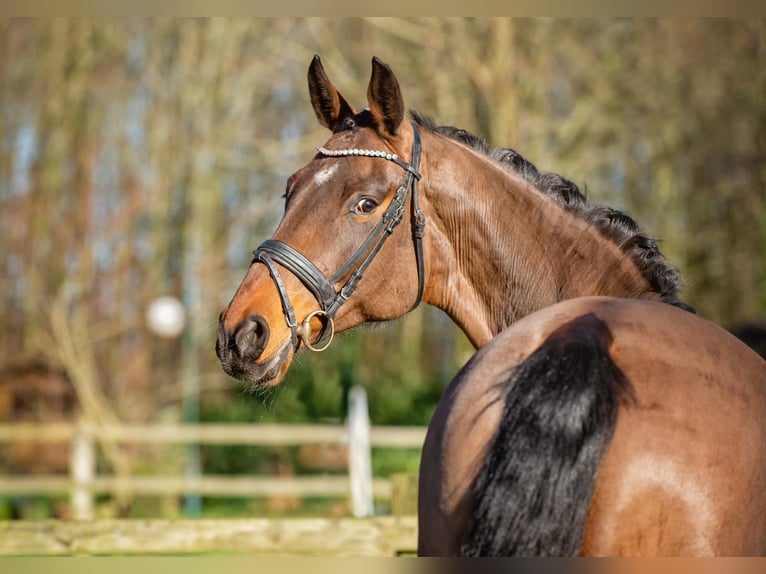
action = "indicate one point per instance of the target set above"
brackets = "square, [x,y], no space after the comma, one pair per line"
[533,492]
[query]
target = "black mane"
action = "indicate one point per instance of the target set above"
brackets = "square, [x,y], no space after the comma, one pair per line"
[612,223]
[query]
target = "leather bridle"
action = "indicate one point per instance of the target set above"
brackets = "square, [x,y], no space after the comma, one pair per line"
[274,251]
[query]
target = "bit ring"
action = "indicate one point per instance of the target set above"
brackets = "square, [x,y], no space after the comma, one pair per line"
[304,330]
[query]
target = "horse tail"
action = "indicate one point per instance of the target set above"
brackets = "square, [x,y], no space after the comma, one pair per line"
[533,492]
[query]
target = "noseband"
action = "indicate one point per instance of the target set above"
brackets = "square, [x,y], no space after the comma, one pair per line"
[274,251]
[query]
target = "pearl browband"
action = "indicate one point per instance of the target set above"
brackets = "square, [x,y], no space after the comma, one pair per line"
[370,153]
[355,151]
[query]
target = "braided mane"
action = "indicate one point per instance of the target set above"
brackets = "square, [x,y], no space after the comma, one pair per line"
[615,225]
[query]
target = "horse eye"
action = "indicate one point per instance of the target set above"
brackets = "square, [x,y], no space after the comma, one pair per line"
[365,206]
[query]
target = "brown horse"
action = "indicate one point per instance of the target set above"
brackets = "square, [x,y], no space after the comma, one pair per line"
[601,416]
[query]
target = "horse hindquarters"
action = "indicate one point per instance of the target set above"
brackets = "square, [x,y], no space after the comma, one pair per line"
[533,491]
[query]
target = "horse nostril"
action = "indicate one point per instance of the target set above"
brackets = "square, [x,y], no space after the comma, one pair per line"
[251,337]
[220,341]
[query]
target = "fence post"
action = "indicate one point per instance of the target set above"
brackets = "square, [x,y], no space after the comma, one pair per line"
[82,469]
[359,454]
[404,493]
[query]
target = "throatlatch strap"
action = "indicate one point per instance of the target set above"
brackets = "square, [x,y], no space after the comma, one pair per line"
[418,217]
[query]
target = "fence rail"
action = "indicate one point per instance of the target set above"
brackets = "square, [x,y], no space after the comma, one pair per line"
[376,536]
[207,485]
[214,433]
[83,481]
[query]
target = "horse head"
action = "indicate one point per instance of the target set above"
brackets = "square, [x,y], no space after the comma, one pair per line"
[326,268]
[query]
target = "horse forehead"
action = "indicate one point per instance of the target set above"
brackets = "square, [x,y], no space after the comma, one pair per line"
[324,174]
[347,171]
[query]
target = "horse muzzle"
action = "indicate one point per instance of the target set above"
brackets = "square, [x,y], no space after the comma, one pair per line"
[240,352]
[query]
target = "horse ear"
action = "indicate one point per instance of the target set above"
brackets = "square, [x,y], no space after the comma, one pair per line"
[385,98]
[330,106]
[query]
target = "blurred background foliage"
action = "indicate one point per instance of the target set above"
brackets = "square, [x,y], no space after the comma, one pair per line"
[144,157]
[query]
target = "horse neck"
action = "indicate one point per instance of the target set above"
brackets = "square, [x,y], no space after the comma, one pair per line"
[502,249]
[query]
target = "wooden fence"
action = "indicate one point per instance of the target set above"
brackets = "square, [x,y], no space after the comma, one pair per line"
[83,481]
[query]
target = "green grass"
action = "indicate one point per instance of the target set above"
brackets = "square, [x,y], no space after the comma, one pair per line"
[388,461]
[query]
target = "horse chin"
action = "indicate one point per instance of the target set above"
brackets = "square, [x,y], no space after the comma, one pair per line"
[263,374]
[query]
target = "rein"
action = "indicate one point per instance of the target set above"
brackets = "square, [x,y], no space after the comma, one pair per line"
[274,251]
